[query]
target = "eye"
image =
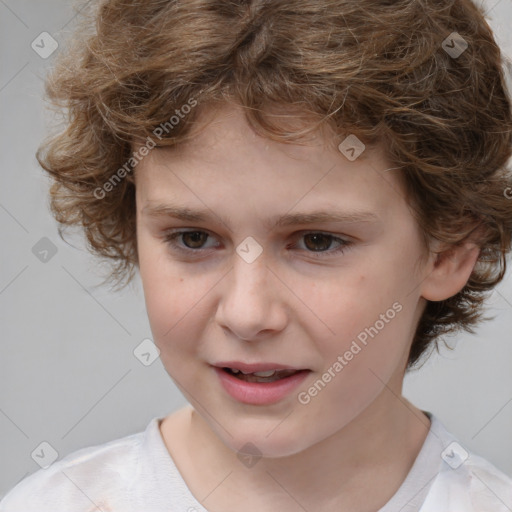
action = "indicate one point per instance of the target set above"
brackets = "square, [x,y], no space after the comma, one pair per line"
[317,243]
[193,240]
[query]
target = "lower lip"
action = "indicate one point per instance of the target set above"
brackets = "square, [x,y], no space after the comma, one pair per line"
[259,393]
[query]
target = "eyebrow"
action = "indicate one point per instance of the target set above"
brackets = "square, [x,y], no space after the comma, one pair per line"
[288,219]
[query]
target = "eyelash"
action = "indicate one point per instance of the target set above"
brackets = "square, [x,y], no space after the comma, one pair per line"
[170,240]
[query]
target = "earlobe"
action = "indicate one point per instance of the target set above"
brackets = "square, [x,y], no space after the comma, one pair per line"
[450,271]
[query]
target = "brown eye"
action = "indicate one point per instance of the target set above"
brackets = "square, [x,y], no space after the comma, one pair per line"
[318,241]
[316,244]
[321,245]
[188,242]
[194,239]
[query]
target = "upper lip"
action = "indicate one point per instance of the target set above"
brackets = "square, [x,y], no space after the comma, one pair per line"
[255,367]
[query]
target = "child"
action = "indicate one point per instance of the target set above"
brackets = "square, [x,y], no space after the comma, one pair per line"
[313,192]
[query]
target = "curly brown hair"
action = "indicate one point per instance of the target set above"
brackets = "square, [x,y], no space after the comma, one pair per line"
[378,69]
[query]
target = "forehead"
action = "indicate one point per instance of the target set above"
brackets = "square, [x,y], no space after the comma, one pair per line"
[221,128]
[226,164]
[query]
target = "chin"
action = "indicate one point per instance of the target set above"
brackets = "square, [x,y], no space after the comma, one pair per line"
[265,442]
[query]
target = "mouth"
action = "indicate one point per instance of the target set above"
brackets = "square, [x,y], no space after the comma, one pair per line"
[259,384]
[261,376]
[258,372]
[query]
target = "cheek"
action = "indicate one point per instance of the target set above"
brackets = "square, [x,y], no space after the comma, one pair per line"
[350,303]
[370,317]
[170,303]
[175,303]
[365,353]
[172,313]
[167,296]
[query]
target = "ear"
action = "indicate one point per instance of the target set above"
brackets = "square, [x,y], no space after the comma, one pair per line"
[449,272]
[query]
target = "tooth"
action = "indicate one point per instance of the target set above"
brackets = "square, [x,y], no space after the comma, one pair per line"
[267,373]
[234,370]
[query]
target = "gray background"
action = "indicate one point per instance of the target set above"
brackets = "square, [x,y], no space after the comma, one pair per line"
[67,369]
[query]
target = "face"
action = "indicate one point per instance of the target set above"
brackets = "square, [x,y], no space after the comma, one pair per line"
[334,301]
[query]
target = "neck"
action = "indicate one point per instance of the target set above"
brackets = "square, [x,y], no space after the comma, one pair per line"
[373,452]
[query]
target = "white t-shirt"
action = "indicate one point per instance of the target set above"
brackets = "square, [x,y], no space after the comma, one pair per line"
[137,474]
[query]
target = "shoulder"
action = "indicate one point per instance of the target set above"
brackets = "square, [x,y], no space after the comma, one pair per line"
[80,480]
[466,482]
[490,488]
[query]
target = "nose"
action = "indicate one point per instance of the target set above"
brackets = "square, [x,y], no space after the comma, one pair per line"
[251,303]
